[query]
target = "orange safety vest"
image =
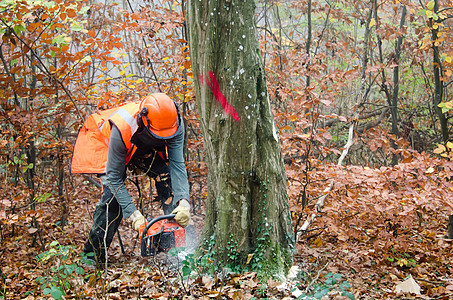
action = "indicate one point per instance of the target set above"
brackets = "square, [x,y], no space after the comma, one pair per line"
[92,144]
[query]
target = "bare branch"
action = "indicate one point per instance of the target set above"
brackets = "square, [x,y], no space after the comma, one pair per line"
[43,67]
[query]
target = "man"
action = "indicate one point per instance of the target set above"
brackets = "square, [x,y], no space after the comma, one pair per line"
[139,135]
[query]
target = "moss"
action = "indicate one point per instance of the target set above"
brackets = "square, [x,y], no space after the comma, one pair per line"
[276,266]
[270,260]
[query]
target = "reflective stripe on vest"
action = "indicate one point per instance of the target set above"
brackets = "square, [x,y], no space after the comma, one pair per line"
[124,119]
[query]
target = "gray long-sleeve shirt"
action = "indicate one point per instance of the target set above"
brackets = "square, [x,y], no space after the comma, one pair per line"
[115,169]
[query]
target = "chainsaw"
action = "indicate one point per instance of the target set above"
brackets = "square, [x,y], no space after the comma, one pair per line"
[160,235]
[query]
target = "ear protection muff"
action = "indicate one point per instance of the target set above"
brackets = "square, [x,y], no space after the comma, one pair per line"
[143,115]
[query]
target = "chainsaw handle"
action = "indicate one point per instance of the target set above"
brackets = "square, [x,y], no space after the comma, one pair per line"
[157,219]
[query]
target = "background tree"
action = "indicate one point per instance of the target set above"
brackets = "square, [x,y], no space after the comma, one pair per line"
[247,213]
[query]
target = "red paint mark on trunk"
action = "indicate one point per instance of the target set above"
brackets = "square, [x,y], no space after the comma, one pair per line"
[213,85]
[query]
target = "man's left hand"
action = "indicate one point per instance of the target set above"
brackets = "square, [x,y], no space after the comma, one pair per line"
[182,213]
[137,220]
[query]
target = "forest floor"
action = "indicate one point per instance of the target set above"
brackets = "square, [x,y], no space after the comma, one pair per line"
[325,266]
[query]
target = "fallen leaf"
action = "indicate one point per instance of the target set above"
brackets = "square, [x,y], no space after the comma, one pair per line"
[408,286]
[114,285]
[212,294]
[272,284]
[393,277]
[293,272]
[115,296]
[249,258]
[430,170]
[318,242]
[208,283]
[32,230]
[296,293]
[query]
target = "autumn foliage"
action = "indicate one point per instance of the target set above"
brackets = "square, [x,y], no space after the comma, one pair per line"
[329,65]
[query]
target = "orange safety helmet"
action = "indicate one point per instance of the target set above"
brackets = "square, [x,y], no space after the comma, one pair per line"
[159,114]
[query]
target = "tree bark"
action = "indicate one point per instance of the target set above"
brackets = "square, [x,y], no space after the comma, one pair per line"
[450,227]
[438,85]
[396,82]
[247,221]
[308,44]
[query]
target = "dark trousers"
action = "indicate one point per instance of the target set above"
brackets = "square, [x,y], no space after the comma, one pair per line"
[108,213]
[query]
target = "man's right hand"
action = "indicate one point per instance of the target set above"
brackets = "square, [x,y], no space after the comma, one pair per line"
[137,220]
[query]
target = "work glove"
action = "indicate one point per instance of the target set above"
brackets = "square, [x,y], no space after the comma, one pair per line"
[137,220]
[181,212]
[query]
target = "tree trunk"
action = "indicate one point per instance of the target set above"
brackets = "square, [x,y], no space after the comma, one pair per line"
[396,86]
[248,224]
[450,227]
[438,84]
[308,44]
[396,82]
